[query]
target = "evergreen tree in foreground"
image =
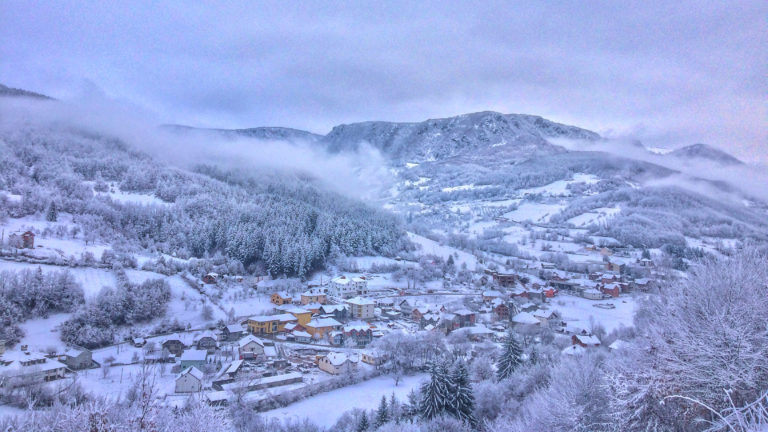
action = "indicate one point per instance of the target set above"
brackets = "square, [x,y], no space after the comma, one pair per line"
[382,414]
[363,425]
[435,393]
[510,359]
[463,400]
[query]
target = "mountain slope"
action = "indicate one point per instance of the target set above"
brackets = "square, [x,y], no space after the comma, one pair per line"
[705,152]
[260,133]
[14,92]
[476,134]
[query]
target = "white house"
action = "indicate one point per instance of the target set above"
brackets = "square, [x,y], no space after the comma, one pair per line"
[345,287]
[189,381]
[22,367]
[361,307]
[250,347]
[337,363]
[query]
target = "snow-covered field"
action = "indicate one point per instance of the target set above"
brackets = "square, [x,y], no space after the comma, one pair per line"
[432,247]
[581,312]
[560,188]
[534,212]
[326,408]
[597,216]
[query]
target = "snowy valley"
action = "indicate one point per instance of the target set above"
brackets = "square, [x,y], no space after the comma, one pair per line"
[491,271]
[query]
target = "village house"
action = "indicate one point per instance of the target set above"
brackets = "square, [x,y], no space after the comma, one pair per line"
[138,342]
[336,337]
[19,240]
[189,381]
[642,284]
[313,296]
[430,320]
[211,278]
[77,358]
[193,358]
[612,290]
[490,295]
[500,310]
[338,363]
[344,287]
[465,317]
[24,368]
[338,312]
[302,315]
[358,331]
[265,382]
[592,294]
[361,307]
[232,332]
[546,316]
[174,345]
[525,319]
[250,347]
[313,307]
[301,336]
[268,324]
[503,279]
[206,341]
[372,357]
[585,341]
[318,327]
[280,298]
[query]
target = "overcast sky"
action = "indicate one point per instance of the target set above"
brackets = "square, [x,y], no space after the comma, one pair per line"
[668,73]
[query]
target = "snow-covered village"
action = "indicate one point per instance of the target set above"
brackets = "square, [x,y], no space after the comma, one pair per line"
[414,262]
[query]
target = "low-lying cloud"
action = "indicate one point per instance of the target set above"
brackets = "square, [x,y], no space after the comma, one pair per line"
[362,174]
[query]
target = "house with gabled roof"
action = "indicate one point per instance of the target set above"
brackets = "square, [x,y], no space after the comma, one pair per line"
[189,381]
[336,363]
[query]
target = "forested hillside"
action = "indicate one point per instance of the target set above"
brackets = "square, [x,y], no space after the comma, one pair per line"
[271,222]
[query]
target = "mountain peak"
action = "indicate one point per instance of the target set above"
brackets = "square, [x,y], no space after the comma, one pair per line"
[482,132]
[706,152]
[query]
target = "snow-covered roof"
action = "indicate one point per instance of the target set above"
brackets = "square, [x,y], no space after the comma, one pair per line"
[642,281]
[544,313]
[234,328]
[463,312]
[295,310]
[330,308]
[341,280]
[267,318]
[233,367]
[492,293]
[361,301]
[270,351]
[194,355]
[592,291]
[248,339]
[217,396]
[338,359]
[618,344]
[588,339]
[15,367]
[193,371]
[357,325]
[323,322]
[302,334]
[525,318]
